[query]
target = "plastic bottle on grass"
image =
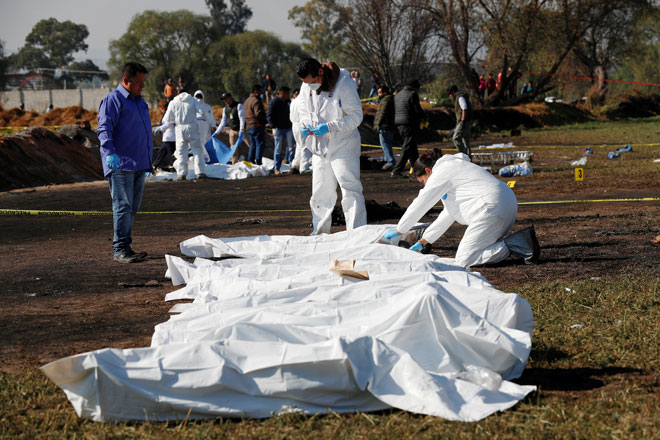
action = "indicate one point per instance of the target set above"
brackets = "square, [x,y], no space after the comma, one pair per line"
[518,169]
[482,376]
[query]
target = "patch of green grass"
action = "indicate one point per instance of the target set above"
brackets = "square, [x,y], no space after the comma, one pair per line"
[635,131]
[597,381]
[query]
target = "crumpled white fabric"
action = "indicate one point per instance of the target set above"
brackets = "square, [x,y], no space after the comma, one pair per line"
[274,331]
[223,171]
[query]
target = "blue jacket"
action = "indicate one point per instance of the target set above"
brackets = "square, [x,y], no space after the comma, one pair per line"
[125,130]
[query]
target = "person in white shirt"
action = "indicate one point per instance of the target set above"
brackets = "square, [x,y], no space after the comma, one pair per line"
[302,160]
[330,113]
[182,112]
[471,196]
[233,117]
[463,111]
[165,156]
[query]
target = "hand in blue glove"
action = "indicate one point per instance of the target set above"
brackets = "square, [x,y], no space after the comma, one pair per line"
[391,234]
[417,247]
[147,173]
[305,132]
[156,130]
[319,130]
[112,161]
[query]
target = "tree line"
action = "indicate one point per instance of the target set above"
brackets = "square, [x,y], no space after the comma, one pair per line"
[455,40]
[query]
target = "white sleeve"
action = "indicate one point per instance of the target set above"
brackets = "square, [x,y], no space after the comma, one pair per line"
[241,117]
[438,227]
[223,122]
[425,200]
[349,103]
[169,114]
[462,103]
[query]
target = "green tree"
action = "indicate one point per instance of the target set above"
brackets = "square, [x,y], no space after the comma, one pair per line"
[230,21]
[240,61]
[168,44]
[85,71]
[51,43]
[640,58]
[322,28]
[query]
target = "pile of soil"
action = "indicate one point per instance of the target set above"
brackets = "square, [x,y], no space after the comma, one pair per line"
[40,157]
[16,117]
[635,105]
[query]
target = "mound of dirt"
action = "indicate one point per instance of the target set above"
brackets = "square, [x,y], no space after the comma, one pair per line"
[16,117]
[38,156]
[635,105]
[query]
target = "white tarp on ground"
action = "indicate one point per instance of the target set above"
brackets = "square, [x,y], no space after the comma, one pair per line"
[276,331]
[237,171]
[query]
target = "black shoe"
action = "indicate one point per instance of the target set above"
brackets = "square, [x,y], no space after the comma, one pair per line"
[179,178]
[125,258]
[202,177]
[387,167]
[537,249]
[138,255]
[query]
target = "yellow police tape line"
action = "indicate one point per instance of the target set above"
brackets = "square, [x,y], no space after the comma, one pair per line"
[39,212]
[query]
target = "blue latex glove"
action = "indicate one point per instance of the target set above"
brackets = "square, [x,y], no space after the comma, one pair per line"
[156,131]
[390,234]
[112,161]
[417,247]
[319,130]
[147,173]
[305,132]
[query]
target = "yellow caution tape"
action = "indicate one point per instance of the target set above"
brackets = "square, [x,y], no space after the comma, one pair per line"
[39,212]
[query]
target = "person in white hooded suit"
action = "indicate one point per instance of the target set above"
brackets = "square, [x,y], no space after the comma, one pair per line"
[471,196]
[183,111]
[205,118]
[329,115]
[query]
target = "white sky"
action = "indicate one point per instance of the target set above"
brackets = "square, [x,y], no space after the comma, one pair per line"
[108,20]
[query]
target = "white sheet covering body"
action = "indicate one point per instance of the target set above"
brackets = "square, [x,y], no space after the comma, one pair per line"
[275,331]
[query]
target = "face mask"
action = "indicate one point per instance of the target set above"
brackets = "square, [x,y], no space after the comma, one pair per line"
[199,99]
[314,86]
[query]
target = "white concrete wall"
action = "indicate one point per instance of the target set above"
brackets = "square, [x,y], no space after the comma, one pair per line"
[38,100]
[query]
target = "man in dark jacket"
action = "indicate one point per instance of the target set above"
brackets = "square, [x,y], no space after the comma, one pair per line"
[463,110]
[278,118]
[384,125]
[255,121]
[407,116]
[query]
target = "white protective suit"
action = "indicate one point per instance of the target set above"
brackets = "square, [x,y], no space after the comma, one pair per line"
[336,157]
[473,197]
[205,119]
[182,111]
[303,157]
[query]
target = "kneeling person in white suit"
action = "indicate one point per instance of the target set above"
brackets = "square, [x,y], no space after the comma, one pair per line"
[471,196]
[330,113]
[182,111]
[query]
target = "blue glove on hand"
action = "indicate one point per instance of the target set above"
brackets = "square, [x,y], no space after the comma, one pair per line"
[112,161]
[390,234]
[305,132]
[417,247]
[156,130]
[147,173]
[319,130]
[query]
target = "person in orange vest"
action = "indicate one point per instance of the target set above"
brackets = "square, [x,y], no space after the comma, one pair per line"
[170,90]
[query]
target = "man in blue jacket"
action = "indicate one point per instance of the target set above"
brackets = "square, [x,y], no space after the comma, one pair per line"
[126,153]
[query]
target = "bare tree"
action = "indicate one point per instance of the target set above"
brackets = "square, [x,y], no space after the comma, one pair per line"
[392,37]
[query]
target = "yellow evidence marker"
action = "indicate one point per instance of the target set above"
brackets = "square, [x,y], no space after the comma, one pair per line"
[511,184]
[579,174]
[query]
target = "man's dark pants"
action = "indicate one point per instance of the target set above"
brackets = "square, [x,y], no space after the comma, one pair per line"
[409,151]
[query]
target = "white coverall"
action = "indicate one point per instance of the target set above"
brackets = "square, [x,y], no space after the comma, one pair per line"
[303,157]
[182,111]
[473,197]
[336,159]
[205,119]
